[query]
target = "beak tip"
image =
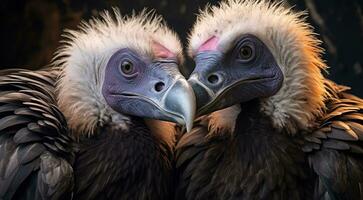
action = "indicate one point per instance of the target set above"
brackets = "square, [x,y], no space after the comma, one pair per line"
[189,127]
[181,102]
[189,118]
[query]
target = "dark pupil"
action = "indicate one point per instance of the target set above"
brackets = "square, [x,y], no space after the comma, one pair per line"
[126,67]
[246,52]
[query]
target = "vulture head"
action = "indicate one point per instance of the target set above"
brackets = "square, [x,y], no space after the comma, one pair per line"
[117,67]
[247,50]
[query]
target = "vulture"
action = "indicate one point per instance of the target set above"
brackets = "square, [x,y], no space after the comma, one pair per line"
[269,125]
[98,123]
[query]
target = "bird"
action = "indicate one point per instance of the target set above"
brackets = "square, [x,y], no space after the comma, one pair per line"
[98,123]
[269,124]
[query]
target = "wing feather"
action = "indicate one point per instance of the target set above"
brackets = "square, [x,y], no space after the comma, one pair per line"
[36,150]
[338,160]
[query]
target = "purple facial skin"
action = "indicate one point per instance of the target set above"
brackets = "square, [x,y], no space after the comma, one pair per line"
[137,86]
[246,72]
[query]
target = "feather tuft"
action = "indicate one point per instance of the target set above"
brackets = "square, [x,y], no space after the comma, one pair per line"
[83,57]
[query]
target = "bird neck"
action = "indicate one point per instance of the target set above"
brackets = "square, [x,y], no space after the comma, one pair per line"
[263,148]
[114,154]
[256,155]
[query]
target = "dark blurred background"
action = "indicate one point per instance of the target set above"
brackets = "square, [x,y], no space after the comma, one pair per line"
[31,29]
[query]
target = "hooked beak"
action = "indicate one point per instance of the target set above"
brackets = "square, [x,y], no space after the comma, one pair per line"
[179,103]
[175,103]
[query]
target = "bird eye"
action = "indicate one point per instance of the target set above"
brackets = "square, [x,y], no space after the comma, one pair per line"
[246,52]
[127,67]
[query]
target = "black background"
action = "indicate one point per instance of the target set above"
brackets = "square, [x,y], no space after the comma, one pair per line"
[31,30]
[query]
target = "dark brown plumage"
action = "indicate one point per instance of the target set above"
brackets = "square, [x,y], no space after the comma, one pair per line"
[128,165]
[259,162]
[36,150]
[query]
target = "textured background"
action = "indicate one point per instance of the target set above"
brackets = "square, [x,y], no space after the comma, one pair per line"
[31,30]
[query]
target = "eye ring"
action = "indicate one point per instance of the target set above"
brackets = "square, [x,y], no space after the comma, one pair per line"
[127,68]
[246,52]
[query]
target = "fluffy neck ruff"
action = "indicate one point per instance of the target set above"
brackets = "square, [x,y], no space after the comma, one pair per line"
[83,59]
[293,44]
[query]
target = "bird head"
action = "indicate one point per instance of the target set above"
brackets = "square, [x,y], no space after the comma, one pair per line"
[115,67]
[247,50]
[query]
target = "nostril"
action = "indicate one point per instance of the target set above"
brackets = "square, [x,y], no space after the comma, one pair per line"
[213,79]
[159,86]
